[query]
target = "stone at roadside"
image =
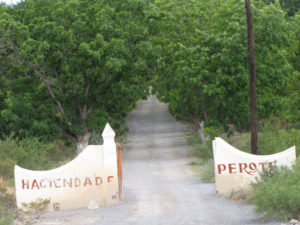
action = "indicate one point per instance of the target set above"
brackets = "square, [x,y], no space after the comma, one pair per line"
[294,222]
[93,205]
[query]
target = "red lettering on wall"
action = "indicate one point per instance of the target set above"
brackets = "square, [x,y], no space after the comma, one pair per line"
[87,181]
[221,167]
[242,167]
[262,166]
[56,183]
[35,184]
[77,182]
[231,167]
[98,180]
[50,183]
[42,185]
[66,182]
[252,166]
[23,184]
[109,178]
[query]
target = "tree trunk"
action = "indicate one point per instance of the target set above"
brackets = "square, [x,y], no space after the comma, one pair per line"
[254,139]
[82,142]
[201,132]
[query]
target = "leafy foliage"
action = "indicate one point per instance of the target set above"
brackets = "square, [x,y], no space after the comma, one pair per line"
[203,67]
[28,152]
[290,6]
[69,67]
[277,194]
[87,61]
[28,111]
[272,138]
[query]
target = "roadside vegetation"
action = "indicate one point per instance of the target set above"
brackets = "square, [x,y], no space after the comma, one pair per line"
[67,68]
[276,194]
[7,205]
[31,153]
[6,217]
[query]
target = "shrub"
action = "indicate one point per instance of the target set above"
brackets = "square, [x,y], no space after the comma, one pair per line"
[277,193]
[6,201]
[6,217]
[37,206]
[7,167]
[207,171]
[30,153]
[203,151]
[273,139]
[204,168]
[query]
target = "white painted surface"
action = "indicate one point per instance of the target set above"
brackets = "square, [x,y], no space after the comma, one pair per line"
[91,176]
[235,170]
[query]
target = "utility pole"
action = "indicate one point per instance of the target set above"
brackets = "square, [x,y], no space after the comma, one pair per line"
[254,138]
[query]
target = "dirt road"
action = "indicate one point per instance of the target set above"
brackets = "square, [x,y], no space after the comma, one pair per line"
[159,186]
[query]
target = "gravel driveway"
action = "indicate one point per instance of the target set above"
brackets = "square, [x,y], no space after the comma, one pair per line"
[159,186]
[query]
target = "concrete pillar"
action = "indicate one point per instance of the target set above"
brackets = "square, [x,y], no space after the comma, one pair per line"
[110,168]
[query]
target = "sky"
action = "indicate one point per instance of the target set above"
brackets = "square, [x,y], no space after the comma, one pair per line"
[9,2]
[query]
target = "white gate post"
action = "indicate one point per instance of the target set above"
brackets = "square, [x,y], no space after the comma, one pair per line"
[110,168]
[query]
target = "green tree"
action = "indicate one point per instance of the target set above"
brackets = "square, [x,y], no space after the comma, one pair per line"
[12,35]
[290,6]
[292,102]
[203,65]
[92,57]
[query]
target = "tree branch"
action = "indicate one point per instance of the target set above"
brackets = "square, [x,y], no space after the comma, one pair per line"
[87,90]
[69,136]
[90,109]
[80,111]
[83,110]
[59,82]
[74,88]
[47,81]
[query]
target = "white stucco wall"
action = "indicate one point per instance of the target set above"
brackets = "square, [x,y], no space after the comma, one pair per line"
[91,177]
[235,170]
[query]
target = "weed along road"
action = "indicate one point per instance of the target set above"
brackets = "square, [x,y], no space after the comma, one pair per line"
[159,186]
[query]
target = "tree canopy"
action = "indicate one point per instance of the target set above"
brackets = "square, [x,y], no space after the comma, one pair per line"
[204,60]
[68,67]
[91,59]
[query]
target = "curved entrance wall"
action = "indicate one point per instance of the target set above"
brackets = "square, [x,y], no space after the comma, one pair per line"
[235,170]
[90,180]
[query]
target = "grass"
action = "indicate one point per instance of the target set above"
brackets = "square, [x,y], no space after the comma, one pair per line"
[31,153]
[202,155]
[6,216]
[204,169]
[7,203]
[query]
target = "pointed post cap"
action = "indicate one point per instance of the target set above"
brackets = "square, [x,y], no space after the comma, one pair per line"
[108,131]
